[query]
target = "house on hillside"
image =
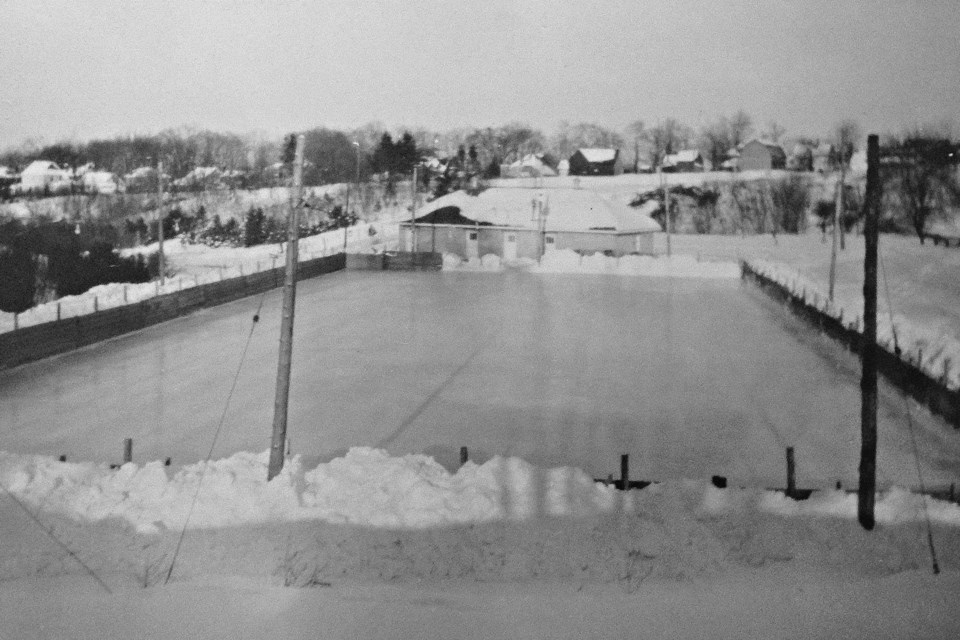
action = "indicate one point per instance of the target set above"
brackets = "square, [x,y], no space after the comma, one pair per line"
[596,162]
[761,155]
[800,158]
[824,158]
[532,165]
[100,182]
[525,223]
[686,161]
[44,176]
[200,178]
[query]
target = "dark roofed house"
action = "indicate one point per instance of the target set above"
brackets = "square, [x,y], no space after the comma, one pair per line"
[761,155]
[596,162]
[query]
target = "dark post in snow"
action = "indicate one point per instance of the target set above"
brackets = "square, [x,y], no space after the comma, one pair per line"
[160,260]
[868,381]
[413,215]
[286,326]
[625,471]
[791,474]
[127,450]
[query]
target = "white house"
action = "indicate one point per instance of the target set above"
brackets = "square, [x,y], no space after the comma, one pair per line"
[44,176]
[518,223]
[530,166]
[100,182]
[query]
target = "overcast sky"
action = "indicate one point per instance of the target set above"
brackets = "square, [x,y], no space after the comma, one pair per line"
[86,68]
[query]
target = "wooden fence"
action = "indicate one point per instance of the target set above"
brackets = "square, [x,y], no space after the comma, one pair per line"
[40,341]
[902,373]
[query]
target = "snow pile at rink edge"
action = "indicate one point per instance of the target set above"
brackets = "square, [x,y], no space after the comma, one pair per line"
[368,487]
[569,261]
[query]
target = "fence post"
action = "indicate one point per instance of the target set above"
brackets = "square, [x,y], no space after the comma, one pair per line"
[625,471]
[791,474]
[96,304]
[464,456]
[127,450]
[16,321]
[58,312]
[124,294]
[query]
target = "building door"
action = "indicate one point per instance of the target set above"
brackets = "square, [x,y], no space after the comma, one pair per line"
[510,246]
[409,239]
[473,245]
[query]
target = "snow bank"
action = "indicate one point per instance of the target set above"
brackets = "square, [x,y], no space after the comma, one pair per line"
[196,264]
[368,487]
[568,261]
[935,352]
[365,487]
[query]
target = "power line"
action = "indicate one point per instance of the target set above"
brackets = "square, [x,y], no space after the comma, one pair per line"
[216,434]
[913,435]
[53,537]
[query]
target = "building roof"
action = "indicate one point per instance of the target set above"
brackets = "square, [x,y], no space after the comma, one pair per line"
[42,167]
[566,210]
[767,143]
[687,155]
[598,155]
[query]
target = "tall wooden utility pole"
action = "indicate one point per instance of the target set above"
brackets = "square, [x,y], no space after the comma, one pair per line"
[161,262]
[413,215]
[837,207]
[868,381]
[286,326]
[666,207]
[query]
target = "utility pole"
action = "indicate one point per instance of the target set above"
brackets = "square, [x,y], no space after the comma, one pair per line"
[666,207]
[868,380]
[161,262]
[279,438]
[413,214]
[838,204]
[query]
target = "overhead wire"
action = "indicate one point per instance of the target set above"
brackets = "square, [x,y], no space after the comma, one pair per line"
[913,436]
[63,545]
[213,443]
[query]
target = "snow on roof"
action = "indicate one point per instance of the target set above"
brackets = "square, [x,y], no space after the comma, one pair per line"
[6,172]
[598,155]
[763,141]
[42,167]
[567,210]
[687,155]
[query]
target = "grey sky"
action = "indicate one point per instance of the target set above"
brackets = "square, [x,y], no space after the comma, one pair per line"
[82,68]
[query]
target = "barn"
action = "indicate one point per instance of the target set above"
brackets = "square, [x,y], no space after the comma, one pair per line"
[761,155]
[517,223]
[596,162]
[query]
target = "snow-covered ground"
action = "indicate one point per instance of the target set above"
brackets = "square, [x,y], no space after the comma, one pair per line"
[196,264]
[373,546]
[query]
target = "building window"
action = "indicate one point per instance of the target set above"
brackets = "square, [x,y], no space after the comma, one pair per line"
[550,240]
[473,235]
[511,238]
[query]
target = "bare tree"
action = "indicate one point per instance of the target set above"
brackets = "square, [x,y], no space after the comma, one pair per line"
[741,127]
[666,138]
[774,131]
[637,131]
[919,168]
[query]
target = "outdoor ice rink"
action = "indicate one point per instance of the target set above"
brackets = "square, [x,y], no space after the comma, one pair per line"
[690,377]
